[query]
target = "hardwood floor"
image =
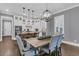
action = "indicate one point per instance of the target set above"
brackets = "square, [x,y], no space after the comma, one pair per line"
[69,50]
[8,47]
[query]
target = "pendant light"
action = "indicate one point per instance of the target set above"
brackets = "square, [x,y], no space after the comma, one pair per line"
[46,14]
[24,10]
[32,16]
[28,15]
[24,14]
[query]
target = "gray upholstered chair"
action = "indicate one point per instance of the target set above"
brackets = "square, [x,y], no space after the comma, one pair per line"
[25,51]
[21,45]
[52,47]
[59,44]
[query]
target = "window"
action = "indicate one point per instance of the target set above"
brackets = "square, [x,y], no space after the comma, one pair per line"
[59,24]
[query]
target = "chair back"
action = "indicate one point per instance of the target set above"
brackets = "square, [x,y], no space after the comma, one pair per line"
[53,43]
[20,44]
[60,40]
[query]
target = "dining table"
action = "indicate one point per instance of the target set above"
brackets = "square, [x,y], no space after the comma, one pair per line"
[35,42]
[28,34]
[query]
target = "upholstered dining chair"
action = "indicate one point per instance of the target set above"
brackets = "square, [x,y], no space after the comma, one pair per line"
[21,45]
[25,51]
[52,47]
[59,44]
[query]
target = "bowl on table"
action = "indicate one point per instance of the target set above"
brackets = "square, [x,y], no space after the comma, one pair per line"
[43,37]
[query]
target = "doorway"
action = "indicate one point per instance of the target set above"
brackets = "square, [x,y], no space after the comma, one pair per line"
[7,28]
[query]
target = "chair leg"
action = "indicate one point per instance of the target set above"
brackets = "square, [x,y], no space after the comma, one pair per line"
[60,51]
[49,53]
[23,55]
[56,51]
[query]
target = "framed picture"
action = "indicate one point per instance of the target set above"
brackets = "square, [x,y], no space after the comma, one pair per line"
[20,17]
[16,17]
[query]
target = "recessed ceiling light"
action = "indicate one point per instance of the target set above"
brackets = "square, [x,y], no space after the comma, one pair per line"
[7,10]
[24,14]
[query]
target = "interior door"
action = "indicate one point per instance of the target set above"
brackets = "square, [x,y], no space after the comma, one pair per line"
[7,28]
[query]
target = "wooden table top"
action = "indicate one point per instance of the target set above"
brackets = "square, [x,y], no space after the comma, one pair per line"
[37,43]
[28,33]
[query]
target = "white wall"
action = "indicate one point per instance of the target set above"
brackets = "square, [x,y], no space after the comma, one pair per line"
[1,30]
[41,25]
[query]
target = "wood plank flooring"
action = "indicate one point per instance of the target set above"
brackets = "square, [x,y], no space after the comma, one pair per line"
[8,47]
[69,50]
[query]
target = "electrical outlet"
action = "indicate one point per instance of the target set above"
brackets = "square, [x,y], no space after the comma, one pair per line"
[75,41]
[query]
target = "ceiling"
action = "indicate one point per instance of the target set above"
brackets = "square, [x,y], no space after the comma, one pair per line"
[16,8]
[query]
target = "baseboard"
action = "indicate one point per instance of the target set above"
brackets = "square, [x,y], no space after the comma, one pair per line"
[0,40]
[71,43]
[13,38]
[6,36]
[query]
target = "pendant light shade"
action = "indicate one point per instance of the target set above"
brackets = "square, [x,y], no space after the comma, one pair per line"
[46,13]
